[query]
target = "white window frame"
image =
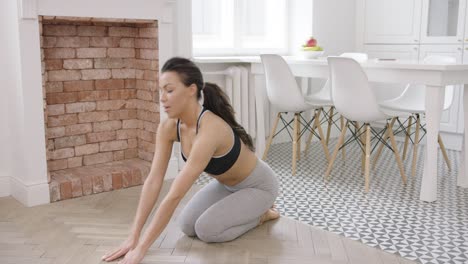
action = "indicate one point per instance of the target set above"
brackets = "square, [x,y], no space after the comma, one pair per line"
[233,43]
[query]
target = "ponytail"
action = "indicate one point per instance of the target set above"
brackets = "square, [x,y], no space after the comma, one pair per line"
[215,99]
[217,102]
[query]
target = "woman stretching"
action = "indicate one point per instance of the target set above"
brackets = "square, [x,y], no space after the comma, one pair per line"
[244,190]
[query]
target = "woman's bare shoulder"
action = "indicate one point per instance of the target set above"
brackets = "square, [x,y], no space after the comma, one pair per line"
[214,125]
[168,129]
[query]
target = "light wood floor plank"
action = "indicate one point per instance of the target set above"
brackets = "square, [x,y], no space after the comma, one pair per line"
[82,230]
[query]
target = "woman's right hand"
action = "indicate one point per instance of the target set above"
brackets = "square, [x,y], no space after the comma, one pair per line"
[129,244]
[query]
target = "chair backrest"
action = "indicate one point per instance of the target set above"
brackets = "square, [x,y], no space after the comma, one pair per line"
[352,95]
[417,92]
[325,91]
[281,86]
[359,57]
[449,89]
[383,91]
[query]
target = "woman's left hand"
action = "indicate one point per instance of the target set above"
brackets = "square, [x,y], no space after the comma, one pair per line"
[133,256]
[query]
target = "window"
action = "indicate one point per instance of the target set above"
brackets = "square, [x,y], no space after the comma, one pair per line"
[239,27]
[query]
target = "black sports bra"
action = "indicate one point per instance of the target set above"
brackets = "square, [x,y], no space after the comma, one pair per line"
[219,164]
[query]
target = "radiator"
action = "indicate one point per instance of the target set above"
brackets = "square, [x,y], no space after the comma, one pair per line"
[242,98]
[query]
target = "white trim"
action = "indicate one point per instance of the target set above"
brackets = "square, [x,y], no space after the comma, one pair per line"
[27,9]
[231,41]
[5,186]
[452,141]
[28,182]
[184,28]
[137,9]
[30,195]
[360,20]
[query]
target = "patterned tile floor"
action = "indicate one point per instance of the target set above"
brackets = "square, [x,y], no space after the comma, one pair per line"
[390,217]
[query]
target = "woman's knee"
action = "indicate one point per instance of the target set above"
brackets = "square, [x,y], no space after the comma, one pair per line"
[187,229]
[187,224]
[207,231]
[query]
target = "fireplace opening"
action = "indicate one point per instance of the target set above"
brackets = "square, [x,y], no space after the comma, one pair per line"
[101,102]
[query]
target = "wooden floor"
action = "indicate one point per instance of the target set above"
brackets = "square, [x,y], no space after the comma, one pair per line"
[81,230]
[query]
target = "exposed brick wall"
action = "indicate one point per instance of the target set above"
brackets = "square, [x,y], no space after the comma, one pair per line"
[100,90]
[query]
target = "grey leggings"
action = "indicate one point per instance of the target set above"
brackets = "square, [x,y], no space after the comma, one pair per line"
[219,213]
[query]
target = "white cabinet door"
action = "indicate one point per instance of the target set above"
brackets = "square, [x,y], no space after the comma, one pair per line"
[455,51]
[443,21]
[465,54]
[450,118]
[395,21]
[400,52]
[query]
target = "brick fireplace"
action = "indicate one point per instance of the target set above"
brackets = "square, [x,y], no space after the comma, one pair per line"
[100,102]
[80,85]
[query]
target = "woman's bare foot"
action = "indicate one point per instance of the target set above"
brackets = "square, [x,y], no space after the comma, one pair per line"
[269,215]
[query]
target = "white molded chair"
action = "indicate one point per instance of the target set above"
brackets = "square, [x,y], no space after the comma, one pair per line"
[412,104]
[323,98]
[357,56]
[354,99]
[286,97]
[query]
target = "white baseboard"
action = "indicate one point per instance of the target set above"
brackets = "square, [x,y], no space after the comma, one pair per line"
[452,141]
[5,186]
[30,195]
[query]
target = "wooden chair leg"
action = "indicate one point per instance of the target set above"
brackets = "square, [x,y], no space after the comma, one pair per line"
[335,152]
[342,125]
[379,150]
[397,154]
[444,153]
[309,140]
[270,138]
[298,131]
[322,138]
[363,156]
[363,159]
[294,158]
[330,122]
[415,146]
[357,131]
[362,137]
[408,131]
[367,158]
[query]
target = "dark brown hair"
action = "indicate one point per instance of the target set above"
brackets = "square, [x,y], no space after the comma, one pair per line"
[215,99]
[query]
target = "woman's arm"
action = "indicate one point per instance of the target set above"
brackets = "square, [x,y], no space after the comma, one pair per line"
[202,151]
[151,187]
[200,154]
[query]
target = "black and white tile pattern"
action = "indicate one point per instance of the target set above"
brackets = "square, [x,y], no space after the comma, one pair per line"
[390,217]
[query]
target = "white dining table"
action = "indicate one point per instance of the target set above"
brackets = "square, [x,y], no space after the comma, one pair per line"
[434,76]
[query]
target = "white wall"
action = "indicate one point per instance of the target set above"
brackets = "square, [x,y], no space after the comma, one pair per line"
[22,138]
[300,23]
[331,22]
[9,69]
[334,25]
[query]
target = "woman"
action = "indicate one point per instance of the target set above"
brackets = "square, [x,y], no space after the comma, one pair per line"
[245,188]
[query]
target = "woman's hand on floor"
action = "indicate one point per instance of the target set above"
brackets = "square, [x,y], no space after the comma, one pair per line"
[129,244]
[133,256]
